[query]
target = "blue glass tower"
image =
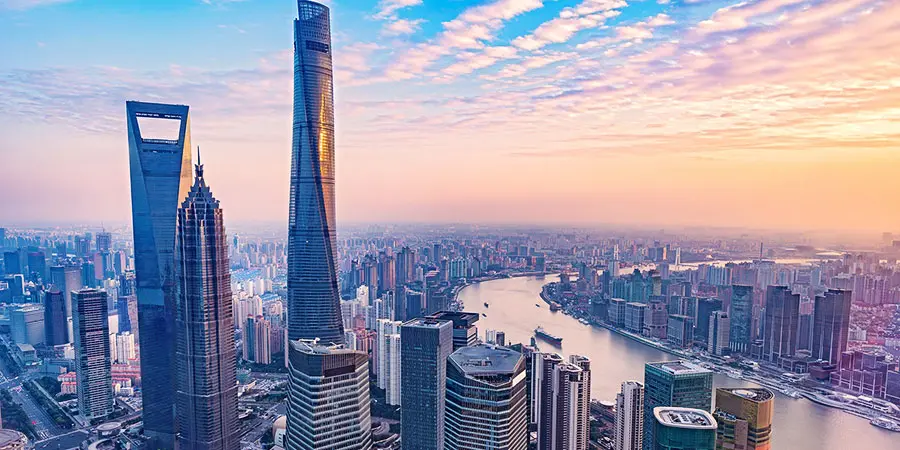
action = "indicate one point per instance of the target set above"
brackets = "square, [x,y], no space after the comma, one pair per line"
[160,180]
[313,297]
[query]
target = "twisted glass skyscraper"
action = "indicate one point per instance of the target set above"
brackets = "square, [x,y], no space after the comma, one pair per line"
[160,179]
[313,296]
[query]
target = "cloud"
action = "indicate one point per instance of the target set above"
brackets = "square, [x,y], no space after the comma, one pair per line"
[387,9]
[470,30]
[28,4]
[586,15]
[401,27]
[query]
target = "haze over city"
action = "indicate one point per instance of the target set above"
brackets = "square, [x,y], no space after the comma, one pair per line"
[771,114]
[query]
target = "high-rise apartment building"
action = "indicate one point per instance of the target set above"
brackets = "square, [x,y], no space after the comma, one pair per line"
[629,432]
[392,386]
[677,384]
[744,417]
[483,374]
[425,346]
[683,429]
[740,318]
[562,402]
[160,180]
[328,399]
[206,381]
[719,327]
[781,328]
[831,325]
[55,324]
[313,296]
[92,354]
[384,329]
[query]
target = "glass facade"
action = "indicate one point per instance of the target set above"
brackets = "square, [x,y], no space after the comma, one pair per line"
[425,346]
[677,384]
[486,404]
[206,383]
[313,295]
[92,354]
[741,313]
[160,179]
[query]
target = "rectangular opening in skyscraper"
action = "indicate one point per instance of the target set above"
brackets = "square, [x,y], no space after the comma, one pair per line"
[159,128]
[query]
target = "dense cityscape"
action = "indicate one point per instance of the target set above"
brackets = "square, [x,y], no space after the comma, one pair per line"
[183,329]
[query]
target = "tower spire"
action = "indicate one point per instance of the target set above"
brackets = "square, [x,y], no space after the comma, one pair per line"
[199,167]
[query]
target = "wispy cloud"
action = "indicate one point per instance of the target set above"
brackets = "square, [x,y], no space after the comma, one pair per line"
[28,4]
[387,9]
[401,27]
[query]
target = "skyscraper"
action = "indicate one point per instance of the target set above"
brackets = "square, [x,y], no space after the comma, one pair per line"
[718,333]
[563,403]
[831,325]
[740,318]
[206,381]
[66,279]
[160,180]
[482,375]
[744,417]
[328,399]
[313,296]
[92,353]
[675,383]
[55,324]
[425,346]
[683,429]
[629,433]
[782,323]
[465,333]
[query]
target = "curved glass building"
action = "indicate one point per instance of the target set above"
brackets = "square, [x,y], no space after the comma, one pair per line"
[313,296]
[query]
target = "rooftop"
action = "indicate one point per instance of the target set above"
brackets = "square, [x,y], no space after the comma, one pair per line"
[684,418]
[755,394]
[8,436]
[679,367]
[426,323]
[461,319]
[486,359]
[312,346]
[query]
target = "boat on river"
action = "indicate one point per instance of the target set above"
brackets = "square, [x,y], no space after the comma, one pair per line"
[885,424]
[541,333]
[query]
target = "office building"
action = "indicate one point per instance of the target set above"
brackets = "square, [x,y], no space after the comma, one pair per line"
[705,308]
[66,279]
[862,373]
[892,387]
[656,319]
[719,327]
[616,312]
[328,398]
[744,417]
[782,323]
[37,267]
[675,383]
[257,343]
[683,429]
[125,348]
[425,346]
[160,181]
[313,296]
[56,328]
[831,325]
[561,405]
[629,432]
[26,324]
[479,375]
[92,353]
[634,317]
[126,307]
[465,333]
[680,330]
[206,381]
[740,316]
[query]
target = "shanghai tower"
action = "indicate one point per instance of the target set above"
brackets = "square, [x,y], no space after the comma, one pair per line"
[206,381]
[160,179]
[313,296]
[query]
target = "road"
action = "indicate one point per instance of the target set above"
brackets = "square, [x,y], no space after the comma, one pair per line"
[255,431]
[43,424]
[70,440]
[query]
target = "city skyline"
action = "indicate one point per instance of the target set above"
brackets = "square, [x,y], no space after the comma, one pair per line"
[487,79]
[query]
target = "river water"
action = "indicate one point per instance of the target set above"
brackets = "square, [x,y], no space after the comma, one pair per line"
[799,424]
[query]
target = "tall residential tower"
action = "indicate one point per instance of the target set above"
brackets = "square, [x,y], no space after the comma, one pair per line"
[160,180]
[206,383]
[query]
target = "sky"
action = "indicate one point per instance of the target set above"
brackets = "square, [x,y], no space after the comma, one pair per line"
[781,114]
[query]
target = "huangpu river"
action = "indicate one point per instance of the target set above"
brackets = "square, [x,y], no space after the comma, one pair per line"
[799,424]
